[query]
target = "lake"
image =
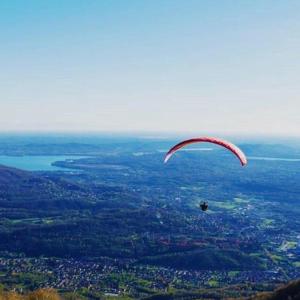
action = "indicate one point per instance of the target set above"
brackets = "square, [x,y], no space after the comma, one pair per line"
[273,158]
[36,163]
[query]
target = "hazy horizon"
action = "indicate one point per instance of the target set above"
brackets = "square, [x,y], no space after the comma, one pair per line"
[101,136]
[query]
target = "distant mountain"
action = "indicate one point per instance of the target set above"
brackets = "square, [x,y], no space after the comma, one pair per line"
[22,189]
[28,190]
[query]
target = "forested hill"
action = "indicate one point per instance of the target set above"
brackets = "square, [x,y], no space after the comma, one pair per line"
[26,190]
[39,215]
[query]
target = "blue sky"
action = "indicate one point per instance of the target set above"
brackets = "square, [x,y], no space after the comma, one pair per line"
[150,65]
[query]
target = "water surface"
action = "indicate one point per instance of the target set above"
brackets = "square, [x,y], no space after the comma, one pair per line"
[272,158]
[36,162]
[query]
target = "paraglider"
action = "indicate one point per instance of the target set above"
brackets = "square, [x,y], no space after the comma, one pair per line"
[231,147]
[203,206]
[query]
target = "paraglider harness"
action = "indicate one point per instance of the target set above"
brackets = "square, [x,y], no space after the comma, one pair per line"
[203,206]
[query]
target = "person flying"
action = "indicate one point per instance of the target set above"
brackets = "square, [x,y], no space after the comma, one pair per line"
[203,206]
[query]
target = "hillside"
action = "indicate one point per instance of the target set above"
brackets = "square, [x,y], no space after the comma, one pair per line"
[27,190]
[125,223]
[39,215]
[290,291]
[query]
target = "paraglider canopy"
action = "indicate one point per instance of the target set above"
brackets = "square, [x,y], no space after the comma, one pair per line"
[231,147]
